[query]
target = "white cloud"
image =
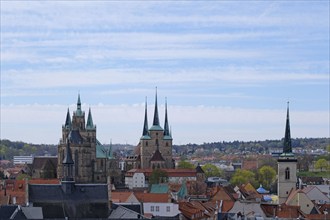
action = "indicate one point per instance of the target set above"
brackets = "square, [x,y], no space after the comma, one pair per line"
[195,124]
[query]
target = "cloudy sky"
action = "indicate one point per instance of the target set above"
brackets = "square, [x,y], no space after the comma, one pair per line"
[227,68]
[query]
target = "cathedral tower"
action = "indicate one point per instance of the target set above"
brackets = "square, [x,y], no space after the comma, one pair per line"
[287,166]
[93,162]
[156,142]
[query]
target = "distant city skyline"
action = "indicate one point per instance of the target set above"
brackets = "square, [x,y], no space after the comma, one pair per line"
[227,68]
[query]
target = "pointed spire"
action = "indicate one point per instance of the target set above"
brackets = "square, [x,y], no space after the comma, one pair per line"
[78,111]
[68,123]
[156,118]
[90,124]
[166,127]
[145,125]
[287,148]
[68,157]
[78,102]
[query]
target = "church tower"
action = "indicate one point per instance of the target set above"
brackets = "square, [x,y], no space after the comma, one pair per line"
[82,138]
[287,166]
[156,142]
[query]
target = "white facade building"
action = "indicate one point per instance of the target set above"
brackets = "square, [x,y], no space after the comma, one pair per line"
[161,209]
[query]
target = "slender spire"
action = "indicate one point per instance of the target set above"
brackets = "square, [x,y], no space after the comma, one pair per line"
[287,139]
[68,157]
[79,112]
[166,127]
[90,124]
[145,125]
[156,118]
[68,123]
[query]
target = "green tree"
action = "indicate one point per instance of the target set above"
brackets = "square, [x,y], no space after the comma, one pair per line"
[211,170]
[267,176]
[321,164]
[185,164]
[158,176]
[243,176]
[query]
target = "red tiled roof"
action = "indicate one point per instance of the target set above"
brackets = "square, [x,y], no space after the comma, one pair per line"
[152,197]
[170,172]
[120,196]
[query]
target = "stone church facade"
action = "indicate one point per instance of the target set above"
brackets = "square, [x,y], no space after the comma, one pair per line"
[93,162]
[155,146]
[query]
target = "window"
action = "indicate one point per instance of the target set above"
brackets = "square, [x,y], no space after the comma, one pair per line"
[146,143]
[166,144]
[157,208]
[152,208]
[287,173]
[168,208]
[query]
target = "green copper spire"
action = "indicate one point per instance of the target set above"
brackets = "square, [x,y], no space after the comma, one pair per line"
[68,123]
[166,127]
[145,124]
[287,139]
[90,124]
[156,118]
[79,112]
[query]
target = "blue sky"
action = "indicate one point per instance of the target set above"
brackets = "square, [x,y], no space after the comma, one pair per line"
[227,68]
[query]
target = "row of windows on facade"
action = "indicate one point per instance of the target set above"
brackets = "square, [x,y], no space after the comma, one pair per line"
[157,143]
[152,208]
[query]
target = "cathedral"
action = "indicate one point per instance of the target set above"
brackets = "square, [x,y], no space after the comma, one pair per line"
[93,162]
[155,146]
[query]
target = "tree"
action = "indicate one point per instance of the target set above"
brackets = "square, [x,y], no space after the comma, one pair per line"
[321,164]
[158,176]
[185,164]
[211,170]
[243,176]
[266,176]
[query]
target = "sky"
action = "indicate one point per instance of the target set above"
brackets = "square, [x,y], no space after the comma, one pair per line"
[226,68]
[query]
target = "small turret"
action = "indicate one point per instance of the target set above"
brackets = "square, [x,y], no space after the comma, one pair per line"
[90,125]
[68,123]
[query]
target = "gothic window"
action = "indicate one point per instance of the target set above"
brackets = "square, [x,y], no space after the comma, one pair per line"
[166,144]
[76,163]
[156,142]
[146,143]
[287,173]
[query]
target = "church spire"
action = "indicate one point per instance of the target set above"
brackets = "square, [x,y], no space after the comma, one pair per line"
[68,123]
[68,163]
[90,124]
[287,148]
[156,118]
[166,127]
[79,112]
[145,125]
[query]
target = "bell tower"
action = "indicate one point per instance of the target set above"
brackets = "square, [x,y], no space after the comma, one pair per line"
[287,166]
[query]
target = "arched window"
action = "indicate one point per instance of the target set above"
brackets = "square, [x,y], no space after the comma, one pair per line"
[156,142]
[146,143]
[287,173]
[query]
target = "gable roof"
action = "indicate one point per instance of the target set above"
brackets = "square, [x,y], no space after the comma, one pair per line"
[152,197]
[123,197]
[159,188]
[157,156]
